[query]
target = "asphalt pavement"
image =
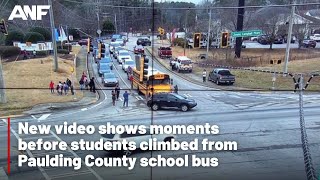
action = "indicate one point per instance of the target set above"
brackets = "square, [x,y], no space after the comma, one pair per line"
[265,125]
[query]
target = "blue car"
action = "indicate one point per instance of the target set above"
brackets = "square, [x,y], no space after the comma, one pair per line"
[106,60]
[104,68]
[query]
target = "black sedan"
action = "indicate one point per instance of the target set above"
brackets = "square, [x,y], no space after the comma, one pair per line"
[170,100]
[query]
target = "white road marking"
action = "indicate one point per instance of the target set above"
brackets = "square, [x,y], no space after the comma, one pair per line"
[30,154]
[76,155]
[121,99]
[187,95]
[43,117]
[33,117]
[84,109]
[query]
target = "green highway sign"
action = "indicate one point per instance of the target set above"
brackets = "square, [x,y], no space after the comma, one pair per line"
[246,33]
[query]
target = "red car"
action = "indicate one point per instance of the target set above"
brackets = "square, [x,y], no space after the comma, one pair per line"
[165,52]
[83,42]
[138,49]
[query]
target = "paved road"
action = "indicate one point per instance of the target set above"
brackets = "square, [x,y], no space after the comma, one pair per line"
[266,127]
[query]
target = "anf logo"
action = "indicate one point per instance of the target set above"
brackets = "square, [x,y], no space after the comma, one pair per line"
[35,12]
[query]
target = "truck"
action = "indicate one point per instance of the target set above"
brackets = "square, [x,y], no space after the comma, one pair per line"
[221,75]
[164,52]
[182,63]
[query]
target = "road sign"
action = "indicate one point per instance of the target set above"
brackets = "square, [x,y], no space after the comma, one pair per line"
[99,31]
[246,33]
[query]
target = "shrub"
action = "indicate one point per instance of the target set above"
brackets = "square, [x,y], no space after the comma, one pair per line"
[45,33]
[42,53]
[14,36]
[179,42]
[63,51]
[33,37]
[7,51]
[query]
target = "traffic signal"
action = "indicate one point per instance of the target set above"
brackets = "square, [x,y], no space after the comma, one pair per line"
[101,50]
[162,31]
[144,68]
[3,27]
[196,40]
[224,39]
[89,46]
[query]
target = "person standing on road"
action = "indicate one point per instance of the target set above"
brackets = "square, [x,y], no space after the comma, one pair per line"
[81,82]
[71,89]
[68,82]
[117,90]
[125,98]
[176,89]
[204,75]
[61,88]
[92,85]
[51,85]
[25,54]
[113,94]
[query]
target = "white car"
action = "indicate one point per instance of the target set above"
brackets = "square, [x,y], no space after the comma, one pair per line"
[315,37]
[127,63]
[122,55]
[137,138]
[113,45]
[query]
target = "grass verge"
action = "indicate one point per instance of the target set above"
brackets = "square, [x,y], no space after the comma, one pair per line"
[33,74]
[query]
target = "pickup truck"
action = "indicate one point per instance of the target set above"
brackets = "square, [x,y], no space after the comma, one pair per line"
[164,52]
[220,76]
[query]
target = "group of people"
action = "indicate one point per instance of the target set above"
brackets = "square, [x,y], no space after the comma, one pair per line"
[62,88]
[115,96]
[85,83]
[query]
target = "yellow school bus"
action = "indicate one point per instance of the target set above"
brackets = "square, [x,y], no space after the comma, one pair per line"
[155,82]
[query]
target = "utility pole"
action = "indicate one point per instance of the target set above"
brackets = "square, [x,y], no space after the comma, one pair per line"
[208,37]
[285,68]
[3,98]
[185,33]
[98,18]
[115,22]
[54,43]
[239,28]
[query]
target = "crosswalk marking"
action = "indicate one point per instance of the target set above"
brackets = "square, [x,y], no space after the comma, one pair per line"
[139,97]
[121,99]
[43,117]
[187,95]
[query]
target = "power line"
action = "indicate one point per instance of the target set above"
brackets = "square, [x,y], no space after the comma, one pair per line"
[194,8]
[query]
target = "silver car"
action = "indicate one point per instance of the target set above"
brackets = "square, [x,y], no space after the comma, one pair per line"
[110,79]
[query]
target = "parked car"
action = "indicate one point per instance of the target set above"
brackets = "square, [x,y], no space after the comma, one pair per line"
[165,52]
[255,38]
[138,138]
[126,63]
[104,68]
[144,41]
[110,79]
[170,100]
[220,76]
[293,39]
[83,42]
[264,39]
[138,49]
[309,43]
[122,55]
[315,37]
[278,40]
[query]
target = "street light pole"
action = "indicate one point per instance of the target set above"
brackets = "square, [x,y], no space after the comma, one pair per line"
[285,68]
[208,37]
[98,24]
[115,22]
[185,33]
[54,43]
